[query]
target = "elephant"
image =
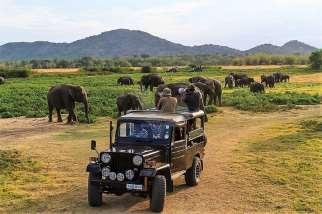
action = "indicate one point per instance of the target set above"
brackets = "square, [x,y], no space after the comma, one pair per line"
[127,102]
[238,76]
[150,80]
[206,90]
[246,81]
[229,81]
[197,68]
[198,79]
[64,97]
[125,81]
[174,87]
[277,76]
[212,83]
[268,80]
[257,87]
[173,70]
[2,80]
[285,78]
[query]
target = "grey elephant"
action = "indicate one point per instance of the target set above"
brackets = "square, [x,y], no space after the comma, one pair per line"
[2,80]
[207,90]
[125,81]
[257,87]
[64,97]
[229,81]
[128,102]
[150,80]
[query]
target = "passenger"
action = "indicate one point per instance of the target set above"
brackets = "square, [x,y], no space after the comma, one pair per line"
[192,99]
[167,103]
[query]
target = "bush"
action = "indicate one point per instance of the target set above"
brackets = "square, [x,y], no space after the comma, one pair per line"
[146,69]
[15,72]
[244,100]
[211,109]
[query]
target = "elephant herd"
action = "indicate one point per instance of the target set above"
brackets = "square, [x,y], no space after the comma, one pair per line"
[210,89]
[64,96]
[242,80]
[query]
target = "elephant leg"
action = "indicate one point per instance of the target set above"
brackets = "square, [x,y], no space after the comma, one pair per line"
[219,99]
[151,87]
[69,118]
[50,116]
[59,119]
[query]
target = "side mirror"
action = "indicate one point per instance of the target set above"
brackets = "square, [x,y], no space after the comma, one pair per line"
[93,145]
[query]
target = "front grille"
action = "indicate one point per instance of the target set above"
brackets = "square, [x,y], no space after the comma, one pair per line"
[121,162]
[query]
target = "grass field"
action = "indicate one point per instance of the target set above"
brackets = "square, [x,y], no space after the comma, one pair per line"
[27,97]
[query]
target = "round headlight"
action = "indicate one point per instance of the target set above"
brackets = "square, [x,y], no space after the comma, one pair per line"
[129,174]
[105,157]
[112,176]
[106,171]
[137,160]
[120,176]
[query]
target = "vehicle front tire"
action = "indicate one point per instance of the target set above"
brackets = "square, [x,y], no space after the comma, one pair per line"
[94,192]
[158,193]
[192,175]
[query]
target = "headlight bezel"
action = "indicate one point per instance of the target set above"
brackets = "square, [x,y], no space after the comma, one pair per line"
[104,174]
[120,177]
[112,176]
[107,156]
[137,160]
[129,174]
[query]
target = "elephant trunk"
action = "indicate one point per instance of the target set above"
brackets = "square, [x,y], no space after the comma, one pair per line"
[86,110]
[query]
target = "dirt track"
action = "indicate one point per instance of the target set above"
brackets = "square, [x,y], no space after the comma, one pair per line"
[218,191]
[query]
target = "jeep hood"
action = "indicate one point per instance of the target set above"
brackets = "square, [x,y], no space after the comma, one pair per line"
[146,151]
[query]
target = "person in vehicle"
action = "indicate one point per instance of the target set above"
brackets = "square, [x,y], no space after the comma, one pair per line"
[167,103]
[193,99]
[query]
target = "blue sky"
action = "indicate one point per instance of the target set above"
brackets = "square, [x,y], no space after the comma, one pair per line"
[237,23]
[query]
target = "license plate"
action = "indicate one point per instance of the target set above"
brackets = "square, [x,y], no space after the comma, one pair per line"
[134,186]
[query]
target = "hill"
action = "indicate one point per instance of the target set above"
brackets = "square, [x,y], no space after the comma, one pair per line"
[123,42]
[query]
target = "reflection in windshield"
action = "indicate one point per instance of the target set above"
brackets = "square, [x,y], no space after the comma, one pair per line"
[143,130]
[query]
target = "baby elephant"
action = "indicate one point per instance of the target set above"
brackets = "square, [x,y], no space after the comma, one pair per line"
[64,97]
[257,87]
[2,80]
[128,102]
[125,81]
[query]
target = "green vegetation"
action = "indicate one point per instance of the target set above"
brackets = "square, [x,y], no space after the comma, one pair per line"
[158,61]
[316,60]
[16,173]
[15,72]
[286,170]
[244,100]
[28,96]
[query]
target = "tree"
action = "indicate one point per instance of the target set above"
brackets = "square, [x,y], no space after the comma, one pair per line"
[316,60]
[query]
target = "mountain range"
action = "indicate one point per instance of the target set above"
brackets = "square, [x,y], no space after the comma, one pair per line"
[123,42]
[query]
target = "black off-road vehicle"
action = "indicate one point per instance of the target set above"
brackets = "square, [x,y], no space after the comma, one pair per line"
[151,149]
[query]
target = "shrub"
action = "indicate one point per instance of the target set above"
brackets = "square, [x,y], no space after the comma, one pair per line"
[211,109]
[146,69]
[15,72]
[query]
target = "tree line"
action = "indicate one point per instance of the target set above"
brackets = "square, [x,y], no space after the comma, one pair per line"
[158,61]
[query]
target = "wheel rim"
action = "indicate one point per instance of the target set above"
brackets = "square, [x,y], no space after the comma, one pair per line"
[197,171]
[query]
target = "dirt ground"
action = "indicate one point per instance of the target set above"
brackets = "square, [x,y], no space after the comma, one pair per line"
[64,151]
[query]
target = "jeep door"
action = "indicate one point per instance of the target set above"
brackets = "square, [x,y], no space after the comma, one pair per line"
[195,141]
[178,148]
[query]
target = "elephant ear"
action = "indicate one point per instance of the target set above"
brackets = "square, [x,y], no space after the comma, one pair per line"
[71,94]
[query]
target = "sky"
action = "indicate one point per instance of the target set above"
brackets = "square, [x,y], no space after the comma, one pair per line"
[240,24]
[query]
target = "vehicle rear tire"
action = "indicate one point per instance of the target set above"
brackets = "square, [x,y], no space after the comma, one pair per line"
[94,192]
[158,193]
[192,175]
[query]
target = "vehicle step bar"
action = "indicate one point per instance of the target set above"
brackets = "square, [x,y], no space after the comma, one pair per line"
[178,174]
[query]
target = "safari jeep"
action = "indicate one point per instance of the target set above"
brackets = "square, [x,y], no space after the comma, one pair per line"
[151,149]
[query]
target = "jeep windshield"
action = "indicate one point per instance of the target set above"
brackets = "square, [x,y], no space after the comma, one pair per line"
[144,131]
